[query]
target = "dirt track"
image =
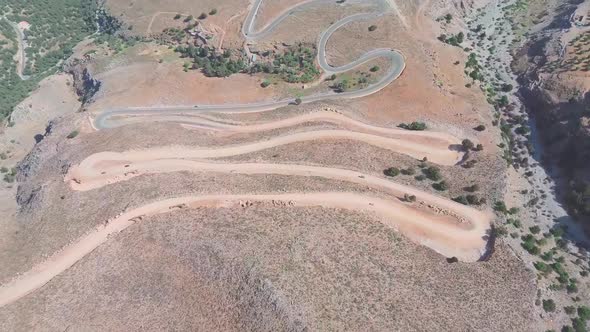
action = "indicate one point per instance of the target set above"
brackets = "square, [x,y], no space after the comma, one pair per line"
[437,147]
[447,227]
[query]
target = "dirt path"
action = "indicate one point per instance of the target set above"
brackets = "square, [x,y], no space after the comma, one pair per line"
[21,56]
[439,148]
[393,213]
[447,227]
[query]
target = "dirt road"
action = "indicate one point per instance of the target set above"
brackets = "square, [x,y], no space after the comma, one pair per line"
[445,226]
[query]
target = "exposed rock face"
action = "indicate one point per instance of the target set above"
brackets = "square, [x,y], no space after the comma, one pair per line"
[555,91]
[86,86]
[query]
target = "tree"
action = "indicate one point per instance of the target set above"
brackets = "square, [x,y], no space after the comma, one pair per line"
[188,18]
[460,37]
[467,144]
[342,86]
[372,28]
[549,305]
[374,69]
[298,101]
[507,87]
[570,310]
[441,186]
[579,325]
[265,83]
[503,101]
[391,171]
[213,11]
[203,16]
[177,16]
[433,173]
[480,128]
[584,312]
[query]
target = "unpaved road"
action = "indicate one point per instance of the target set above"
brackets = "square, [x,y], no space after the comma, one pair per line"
[445,226]
[21,60]
[439,148]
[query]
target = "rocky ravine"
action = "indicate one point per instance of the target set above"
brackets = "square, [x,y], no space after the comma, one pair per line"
[554,86]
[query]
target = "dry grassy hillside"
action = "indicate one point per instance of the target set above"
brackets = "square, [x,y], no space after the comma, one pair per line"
[263,262]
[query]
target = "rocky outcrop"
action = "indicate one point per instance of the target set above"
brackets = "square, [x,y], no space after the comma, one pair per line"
[86,86]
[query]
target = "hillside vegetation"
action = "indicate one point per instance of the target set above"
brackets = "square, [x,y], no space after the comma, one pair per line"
[56,27]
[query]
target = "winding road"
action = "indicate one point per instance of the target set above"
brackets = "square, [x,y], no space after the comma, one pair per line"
[103,120]
[21,54]
[450,228]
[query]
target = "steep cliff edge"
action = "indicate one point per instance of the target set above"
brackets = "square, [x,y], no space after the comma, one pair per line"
[553,65]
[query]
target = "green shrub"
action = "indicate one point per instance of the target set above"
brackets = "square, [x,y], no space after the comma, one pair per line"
[480,128]
[571,288]
[73,134]
[500,207]
[374,69]
[529,244]
[461,199]
[432,173]
[372,28]
[409,198]
[213,11]
[408,171]
[549,305]
[579,325]
[441,186]
[499,231]
[391,171]
[467,144]
[420,177]
[418,126]
[535,229]
[542,267]
[584,312]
